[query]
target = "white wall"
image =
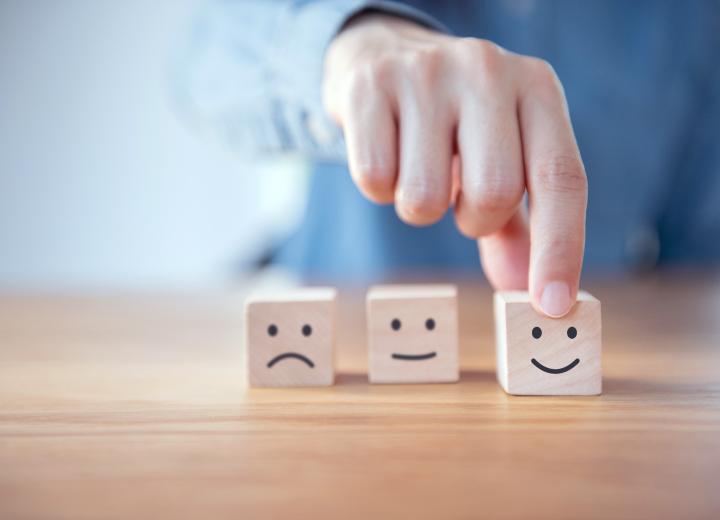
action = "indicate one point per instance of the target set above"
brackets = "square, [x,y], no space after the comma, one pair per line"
[100,183]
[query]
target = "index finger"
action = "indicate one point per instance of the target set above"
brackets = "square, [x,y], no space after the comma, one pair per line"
[557,191]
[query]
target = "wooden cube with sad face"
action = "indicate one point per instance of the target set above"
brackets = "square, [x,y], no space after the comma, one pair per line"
[290,338]
[412,334]
[537,355]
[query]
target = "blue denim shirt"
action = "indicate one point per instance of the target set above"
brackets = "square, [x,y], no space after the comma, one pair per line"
[643,86]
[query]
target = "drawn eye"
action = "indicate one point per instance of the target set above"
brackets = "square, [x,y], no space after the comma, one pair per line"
[429,324]
[572,332]
[537,332]
[272,330]
[306,330]
[395,324]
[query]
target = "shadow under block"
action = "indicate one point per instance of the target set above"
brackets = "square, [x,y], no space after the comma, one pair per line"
[412,334]
[290,338]
[537,355]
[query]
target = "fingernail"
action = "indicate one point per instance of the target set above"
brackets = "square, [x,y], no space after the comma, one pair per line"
[555,299]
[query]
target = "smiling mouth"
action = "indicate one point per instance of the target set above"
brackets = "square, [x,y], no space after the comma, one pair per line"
[555,370]
[290,355]
[414,357]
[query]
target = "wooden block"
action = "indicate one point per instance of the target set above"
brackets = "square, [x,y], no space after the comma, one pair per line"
[290,338]
[537,355]
[412,334]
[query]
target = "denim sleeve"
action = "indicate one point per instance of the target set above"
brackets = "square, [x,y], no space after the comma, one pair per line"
[250,72]
[690,227]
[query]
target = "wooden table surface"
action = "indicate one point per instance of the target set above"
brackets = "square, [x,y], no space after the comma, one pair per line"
[130,406]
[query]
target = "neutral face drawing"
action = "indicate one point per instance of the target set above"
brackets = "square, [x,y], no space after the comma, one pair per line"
[396,325]
[412,334]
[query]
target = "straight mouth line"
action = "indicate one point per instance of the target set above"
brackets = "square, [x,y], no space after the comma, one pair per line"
[414,357]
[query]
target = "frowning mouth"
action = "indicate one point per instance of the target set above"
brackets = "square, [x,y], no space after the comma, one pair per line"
[414,357]
[555,370]
[290,355]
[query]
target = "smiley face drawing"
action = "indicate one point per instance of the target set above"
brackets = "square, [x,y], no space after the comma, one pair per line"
[290,338]
[412,334]
[572,334]
[537,355]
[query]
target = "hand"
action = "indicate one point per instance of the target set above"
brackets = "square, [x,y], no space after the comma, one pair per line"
[433,121]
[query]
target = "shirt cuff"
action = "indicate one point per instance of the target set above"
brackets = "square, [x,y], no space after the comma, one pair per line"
[402,10]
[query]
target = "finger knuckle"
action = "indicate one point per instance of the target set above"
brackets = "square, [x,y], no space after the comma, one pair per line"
[425,65]
[483,59]
[365,78]
[380,70]
[421,203]
[562,174]
[469,228]
[494,197]
[374,181]
[543,75]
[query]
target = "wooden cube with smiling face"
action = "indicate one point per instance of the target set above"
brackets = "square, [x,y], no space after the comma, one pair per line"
[412,334]
[290,338]
[537,355]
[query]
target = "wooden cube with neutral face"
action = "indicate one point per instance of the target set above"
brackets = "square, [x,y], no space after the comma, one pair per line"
[537,355]
[290,338]
[412,334]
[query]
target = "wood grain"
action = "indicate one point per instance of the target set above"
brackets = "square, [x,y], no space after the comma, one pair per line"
[427,353]
[290,337]
[131,406]
[525,340]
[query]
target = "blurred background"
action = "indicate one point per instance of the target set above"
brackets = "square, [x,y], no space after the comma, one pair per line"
[107,180]
[102,184]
